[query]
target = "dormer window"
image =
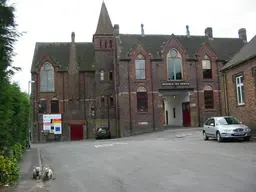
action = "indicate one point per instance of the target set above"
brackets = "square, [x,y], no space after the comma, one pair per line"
[207,67]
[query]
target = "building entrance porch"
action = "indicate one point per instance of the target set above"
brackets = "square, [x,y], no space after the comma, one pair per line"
[177,109]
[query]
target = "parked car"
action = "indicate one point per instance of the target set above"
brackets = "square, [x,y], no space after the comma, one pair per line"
[225,127]
[103,133]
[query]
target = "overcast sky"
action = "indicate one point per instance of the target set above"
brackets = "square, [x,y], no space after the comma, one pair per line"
[54,20]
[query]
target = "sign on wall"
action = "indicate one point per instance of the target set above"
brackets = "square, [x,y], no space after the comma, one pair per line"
[52,123]
[175,84]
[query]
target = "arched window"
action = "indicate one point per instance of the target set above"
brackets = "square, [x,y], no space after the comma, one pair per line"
[142,99]
[102,75]
[111,101]
[54,105]
[208,97]
[42,106]
[207,67]
[140,67]
[47,78]
[174,65]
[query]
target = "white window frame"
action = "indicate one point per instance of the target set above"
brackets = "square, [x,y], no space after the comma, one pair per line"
[239,85]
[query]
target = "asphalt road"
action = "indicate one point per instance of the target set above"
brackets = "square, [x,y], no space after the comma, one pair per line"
[170,161]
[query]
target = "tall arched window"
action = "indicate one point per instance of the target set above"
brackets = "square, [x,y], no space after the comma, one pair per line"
[142,99]
[101,75]
[47,78]
[102,101]
[208,97]
[54,105]
[140,67]
[207,67]
[174,65]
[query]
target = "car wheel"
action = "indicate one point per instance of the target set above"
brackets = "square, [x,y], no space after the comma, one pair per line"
[219,139]
[205,136]
[247,138]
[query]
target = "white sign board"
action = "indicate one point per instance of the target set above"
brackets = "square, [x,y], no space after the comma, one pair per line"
[52,123]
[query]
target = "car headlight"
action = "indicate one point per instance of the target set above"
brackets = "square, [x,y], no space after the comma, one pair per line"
[247,130]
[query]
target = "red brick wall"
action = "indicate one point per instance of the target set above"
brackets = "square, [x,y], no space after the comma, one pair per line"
[245,113]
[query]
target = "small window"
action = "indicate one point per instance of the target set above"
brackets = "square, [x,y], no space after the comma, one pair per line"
[110,76]
[102,101]
[106,44]
[142,100]
[240,90]
[92,110]
[174,113]
[207,68]
[42,106]
[101,75]
[254,75]
[55,106]
[100,44]
[111,101]
[208,98]
[110,44]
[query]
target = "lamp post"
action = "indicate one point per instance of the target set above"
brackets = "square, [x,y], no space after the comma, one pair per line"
[29,113]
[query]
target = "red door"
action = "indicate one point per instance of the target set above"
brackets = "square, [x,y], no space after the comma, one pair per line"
[186,114]
[77,132]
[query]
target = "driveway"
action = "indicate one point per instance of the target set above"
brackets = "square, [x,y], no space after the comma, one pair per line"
[173,160]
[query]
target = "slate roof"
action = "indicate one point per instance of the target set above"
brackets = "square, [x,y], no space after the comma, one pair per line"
[225,48]
[246,53]
[59,52]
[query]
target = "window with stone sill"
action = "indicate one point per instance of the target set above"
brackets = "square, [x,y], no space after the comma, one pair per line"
[254,76]
[174,65]
[239,81]
[208,97]
[47,78]
[142,99]
[207,67]
[42,106]
[140,67]
[110,76]
[55,105]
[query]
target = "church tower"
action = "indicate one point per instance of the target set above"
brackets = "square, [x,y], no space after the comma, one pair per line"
[103,41]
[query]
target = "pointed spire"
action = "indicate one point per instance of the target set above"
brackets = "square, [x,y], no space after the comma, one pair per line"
[104,23]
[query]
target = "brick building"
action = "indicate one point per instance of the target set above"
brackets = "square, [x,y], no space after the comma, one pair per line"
[131,82]
[238,82]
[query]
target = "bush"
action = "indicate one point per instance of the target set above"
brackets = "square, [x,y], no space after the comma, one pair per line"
[17,151]
[9,170]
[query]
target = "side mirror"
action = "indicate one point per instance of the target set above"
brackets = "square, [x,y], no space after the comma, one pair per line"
[212,124]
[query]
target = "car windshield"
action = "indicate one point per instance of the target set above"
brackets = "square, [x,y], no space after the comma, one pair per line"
[228,121]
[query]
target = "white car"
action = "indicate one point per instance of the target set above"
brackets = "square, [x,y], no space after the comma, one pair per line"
[225,127]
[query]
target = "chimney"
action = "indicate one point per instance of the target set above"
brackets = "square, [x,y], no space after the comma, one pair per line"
[142,30]
[188,32]
[242,34]
[116,29]
[208,32]
[73,37]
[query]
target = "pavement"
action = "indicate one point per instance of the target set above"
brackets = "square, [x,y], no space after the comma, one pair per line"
[173,160]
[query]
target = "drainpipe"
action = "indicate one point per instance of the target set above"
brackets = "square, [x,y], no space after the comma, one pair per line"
[153,106]
[218,73]
[197,87]
[129,92]
[226,90]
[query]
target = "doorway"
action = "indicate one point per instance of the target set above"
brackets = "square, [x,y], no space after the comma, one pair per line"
[186,114]
[77,132]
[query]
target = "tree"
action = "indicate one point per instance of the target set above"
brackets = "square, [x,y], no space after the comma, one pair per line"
[8,36]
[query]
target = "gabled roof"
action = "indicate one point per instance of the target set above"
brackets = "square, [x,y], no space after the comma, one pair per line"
[246,53]
[59,53]
[225,48]
[104,23]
